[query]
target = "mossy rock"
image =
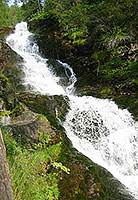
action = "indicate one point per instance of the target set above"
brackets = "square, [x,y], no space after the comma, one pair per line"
[50,106]
[10,66]
[15,76]
[129,102]
[8,57]
[31,128]
[7,94]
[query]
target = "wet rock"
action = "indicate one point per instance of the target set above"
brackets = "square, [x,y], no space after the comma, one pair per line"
[53,107]
[30,127]
[7,56]
[6,192]
[7,94]
[10,65]
[50,40]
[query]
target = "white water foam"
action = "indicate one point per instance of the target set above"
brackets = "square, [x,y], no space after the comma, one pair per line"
[107,135]
[39,78]
[97,128]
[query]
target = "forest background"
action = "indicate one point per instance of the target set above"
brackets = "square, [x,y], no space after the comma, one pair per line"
[101,36]
[103,33]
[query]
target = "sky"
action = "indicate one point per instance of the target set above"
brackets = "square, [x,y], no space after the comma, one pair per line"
[11,2]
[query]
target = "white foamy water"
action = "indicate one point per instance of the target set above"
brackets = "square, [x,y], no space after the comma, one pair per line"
[39,78]
[107,135]
[97,128]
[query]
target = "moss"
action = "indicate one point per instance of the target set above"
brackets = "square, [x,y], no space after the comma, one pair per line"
[7,94]
[128,101]
[105,93]
[3,77]
[135,81]
[15,76]
[47,106]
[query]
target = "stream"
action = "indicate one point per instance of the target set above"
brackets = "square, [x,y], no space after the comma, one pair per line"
[96,127]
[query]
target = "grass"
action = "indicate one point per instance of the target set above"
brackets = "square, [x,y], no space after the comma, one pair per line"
[34,170]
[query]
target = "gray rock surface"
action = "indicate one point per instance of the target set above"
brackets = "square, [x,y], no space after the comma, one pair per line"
[29,126]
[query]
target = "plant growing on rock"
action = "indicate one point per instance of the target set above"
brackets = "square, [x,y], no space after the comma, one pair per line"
[34,171]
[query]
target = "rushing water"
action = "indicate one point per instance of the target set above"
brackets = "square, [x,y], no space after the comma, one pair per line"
[96,127]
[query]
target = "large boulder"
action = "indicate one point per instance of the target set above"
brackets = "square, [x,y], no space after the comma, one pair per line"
[53,107]
[30,128]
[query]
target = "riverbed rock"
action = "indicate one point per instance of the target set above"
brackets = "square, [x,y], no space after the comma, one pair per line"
[88,181]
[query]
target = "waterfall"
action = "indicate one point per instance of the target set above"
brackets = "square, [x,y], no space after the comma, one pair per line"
[107,135]
[97,128]
[39,78]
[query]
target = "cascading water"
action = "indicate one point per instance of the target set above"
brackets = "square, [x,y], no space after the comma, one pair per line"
[39,78]
[107,135]
[97,128]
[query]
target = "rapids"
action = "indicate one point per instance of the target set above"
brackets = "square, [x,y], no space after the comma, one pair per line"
[97,128]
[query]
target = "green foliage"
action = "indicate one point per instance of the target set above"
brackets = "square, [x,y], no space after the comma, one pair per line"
[17,110]
[35,171]
[30,8]
[119,69]
[33,176]
[71,17]
[3,14]
[12,147]
[132,71]
[15,15]
[101,20]
[9,16]
[105,91]
[2,76]
[14,112]
[115,37]
[135,81]
[58,165]
[43,140]
[76,36]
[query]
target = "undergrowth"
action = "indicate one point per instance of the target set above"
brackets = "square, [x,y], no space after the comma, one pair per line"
[34,170]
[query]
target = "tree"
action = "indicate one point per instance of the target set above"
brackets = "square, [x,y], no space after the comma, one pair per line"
[9,16]
[3,14]
[30,7]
